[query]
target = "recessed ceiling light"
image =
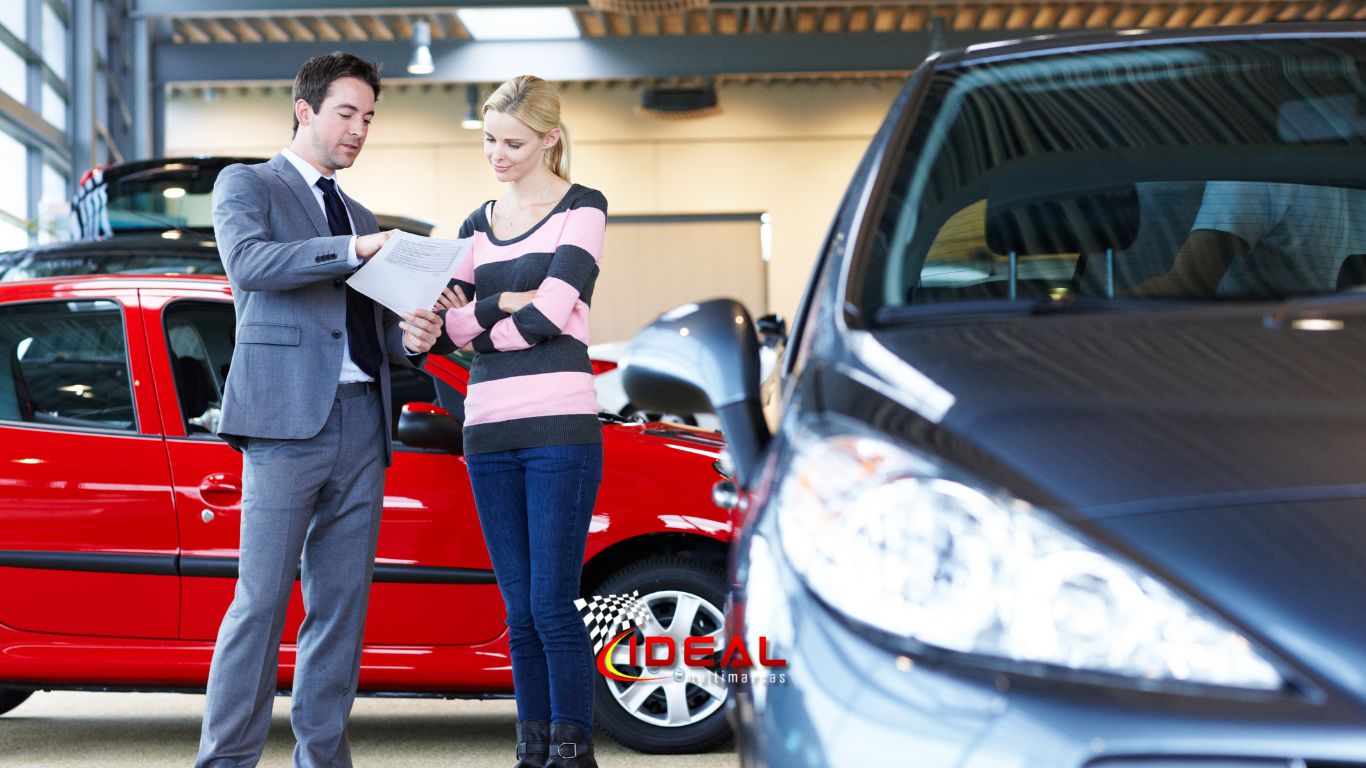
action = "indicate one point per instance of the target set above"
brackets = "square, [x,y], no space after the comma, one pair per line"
[519,23]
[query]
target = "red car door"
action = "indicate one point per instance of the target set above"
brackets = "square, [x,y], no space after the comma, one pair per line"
[433,581]
[87,529]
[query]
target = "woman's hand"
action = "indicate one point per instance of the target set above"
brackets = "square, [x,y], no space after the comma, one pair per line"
[511,301]
[452,297]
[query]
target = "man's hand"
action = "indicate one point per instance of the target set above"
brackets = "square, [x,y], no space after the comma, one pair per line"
[511,301]
[369,245]
[421,329]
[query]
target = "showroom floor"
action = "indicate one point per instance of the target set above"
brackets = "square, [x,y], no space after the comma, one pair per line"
[152,730]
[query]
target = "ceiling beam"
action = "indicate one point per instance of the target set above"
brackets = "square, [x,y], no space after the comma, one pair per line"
[181,8]
[589,59]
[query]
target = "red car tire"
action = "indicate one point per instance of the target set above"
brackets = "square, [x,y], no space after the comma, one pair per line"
[668,585]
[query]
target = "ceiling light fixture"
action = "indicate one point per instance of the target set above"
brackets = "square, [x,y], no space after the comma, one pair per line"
[519,23]
[421,63]
[472,120]
[679,103]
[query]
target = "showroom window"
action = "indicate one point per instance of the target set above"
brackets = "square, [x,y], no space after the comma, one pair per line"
[54,41]
[54,107]
[13,74]
[13,17]
[68,365]
[37,78]
[13,197]
[12,236]
[53,205]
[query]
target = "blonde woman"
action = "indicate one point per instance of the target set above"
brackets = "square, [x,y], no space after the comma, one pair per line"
[533,442]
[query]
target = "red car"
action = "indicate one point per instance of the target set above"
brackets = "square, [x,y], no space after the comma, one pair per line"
[119,514]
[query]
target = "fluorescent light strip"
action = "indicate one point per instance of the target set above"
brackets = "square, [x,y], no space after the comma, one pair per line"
[519,23]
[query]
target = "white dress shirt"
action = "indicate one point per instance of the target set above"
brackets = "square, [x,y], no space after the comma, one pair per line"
[349,370]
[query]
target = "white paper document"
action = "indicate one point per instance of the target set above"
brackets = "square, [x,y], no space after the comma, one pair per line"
[410,270]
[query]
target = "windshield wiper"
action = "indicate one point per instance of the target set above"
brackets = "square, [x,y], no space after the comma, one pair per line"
[1017,307]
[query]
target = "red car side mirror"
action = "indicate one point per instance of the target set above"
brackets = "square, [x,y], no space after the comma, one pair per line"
[423,425]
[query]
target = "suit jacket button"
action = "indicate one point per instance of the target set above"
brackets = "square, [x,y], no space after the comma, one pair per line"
[338,282]
[336,334]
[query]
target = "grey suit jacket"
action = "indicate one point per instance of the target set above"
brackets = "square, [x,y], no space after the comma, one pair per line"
[287,273]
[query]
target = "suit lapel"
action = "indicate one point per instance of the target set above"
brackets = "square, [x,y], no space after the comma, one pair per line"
[291,178]
[360,217]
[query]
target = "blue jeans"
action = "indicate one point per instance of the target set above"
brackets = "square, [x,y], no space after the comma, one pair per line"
[534,506]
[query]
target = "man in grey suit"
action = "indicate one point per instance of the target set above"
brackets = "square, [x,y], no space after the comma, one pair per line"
[306,402]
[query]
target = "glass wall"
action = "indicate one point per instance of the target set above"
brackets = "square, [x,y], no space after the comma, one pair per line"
[54,203]
[13,16]
[13,73]
[54,107]
[36,75]
[14,193]
[55,35]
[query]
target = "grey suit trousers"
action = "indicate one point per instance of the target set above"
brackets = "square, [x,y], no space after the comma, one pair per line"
[320,498]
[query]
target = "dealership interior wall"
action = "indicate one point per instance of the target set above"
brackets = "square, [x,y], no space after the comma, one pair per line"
[782,148]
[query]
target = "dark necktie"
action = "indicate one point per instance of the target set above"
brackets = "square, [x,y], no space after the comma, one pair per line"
[361,340]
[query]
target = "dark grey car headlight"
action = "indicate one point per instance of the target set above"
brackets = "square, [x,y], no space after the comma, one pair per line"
[890,540]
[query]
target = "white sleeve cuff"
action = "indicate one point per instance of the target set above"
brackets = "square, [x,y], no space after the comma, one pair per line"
[351,257]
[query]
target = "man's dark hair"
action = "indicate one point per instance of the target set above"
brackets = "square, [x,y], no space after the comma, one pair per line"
[318,74]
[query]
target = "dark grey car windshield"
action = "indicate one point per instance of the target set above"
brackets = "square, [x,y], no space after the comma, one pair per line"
[1206,171]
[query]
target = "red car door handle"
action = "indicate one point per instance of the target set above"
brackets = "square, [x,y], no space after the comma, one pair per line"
[221,489]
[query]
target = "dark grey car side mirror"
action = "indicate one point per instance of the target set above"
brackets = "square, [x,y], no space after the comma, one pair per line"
[703,358]
[422,425]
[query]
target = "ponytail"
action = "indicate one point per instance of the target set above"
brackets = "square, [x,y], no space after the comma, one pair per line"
[558,156]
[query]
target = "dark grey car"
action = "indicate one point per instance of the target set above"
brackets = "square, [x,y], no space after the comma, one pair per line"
[1066,461]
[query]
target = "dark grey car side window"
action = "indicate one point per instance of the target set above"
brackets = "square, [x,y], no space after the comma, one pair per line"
[65,363]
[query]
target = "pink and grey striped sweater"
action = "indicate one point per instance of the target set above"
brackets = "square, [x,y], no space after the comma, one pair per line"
[531,384]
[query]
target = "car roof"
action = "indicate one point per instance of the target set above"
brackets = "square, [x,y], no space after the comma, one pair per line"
[118,282]
[119,244]
[1071,42]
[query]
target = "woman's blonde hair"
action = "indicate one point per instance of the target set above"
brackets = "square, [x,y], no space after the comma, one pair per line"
[536,103]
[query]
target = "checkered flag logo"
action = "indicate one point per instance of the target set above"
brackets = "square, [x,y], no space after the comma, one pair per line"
[607,616]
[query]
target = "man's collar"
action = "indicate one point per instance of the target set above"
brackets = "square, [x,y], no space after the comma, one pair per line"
[304,168]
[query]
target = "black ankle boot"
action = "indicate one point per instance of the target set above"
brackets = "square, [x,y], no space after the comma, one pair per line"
[533,743]
[570,747]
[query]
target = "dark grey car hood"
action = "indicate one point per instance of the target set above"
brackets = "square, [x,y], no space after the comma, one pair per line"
[1129,411]
[1294,573]
[1219,446]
